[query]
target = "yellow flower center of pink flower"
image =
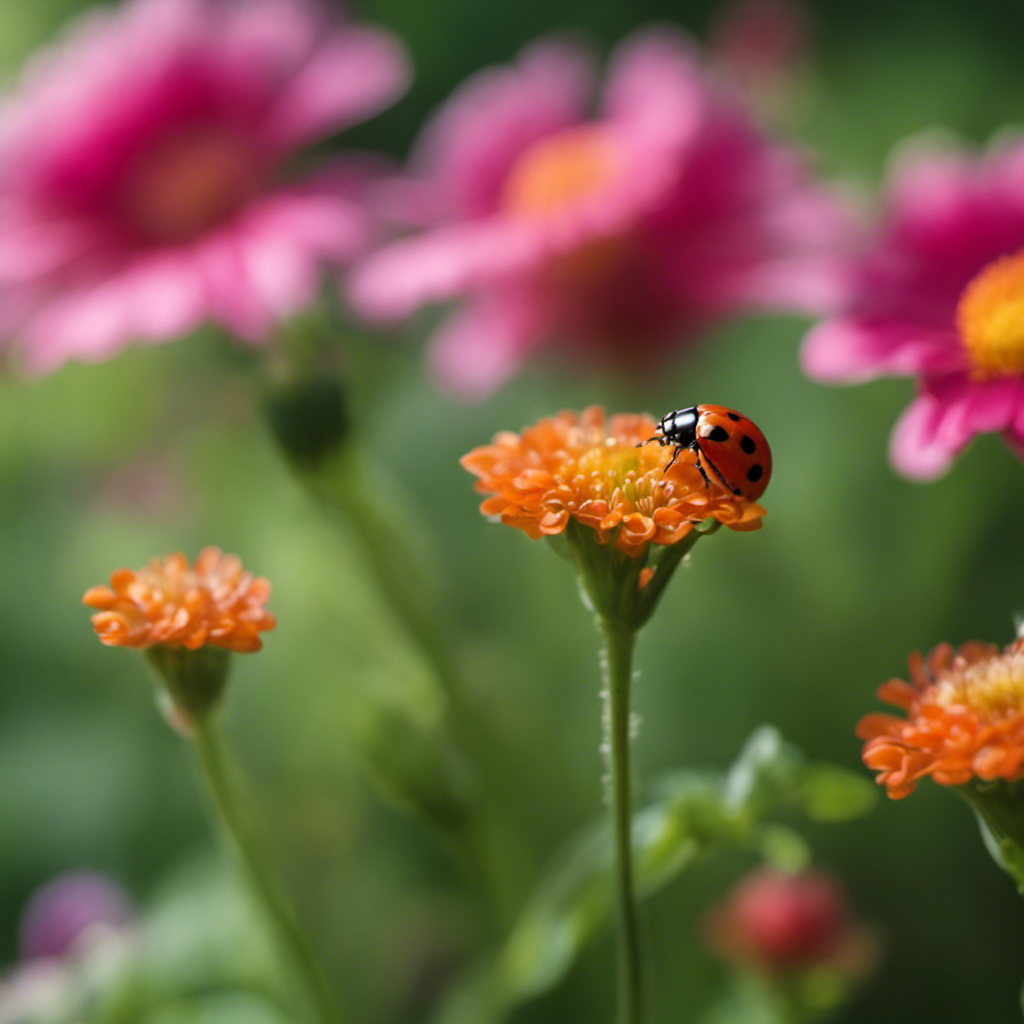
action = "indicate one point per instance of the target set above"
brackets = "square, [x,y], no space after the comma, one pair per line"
[187,182]
[993,688]
[560,169]
[990,317]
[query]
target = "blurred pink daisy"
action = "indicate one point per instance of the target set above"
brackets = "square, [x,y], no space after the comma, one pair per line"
[940,297]
[143,186]
[615,235]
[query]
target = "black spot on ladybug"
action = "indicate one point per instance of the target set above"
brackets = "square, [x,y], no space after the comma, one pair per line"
[755,473]
[747,444]
[718,434]
[733,416]
[736,490]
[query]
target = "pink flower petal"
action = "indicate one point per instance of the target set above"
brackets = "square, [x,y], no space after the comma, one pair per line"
[436,266]
[803,284]
[36,247]
[940,422]
[233,297]
[916,448]
[167,297]
[351,76]
[482,345]
[852,350]
[88,324]
[654,79]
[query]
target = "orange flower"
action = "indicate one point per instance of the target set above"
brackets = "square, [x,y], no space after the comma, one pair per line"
[965,719]
[588,468]
[169,603]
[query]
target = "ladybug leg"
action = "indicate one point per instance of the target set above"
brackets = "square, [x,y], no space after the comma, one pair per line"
[675,455]
[715,470]
[700,466]
[660,438]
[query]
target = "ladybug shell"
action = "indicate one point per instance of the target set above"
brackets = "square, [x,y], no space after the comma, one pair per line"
[735,448]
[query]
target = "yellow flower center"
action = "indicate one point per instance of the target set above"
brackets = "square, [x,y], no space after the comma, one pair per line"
[187,182]
[990,317]
[993,688]
[560,169]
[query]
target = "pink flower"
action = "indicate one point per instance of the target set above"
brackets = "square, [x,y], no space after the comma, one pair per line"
[940,297]
[143,178]
[613,236]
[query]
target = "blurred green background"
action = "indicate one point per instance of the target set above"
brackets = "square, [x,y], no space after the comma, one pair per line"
[165,449]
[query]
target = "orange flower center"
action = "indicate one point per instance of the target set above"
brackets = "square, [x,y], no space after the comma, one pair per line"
[560,169]
[187,182]
[624,476]
[990,318]
[993,688]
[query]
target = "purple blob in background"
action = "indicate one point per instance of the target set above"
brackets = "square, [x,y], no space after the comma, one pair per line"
[63,909]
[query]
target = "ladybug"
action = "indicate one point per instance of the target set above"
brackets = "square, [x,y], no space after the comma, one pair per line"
[725,440]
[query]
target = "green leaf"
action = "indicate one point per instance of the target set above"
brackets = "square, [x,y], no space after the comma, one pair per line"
[767,775]
[833,794]
[783,848]
[771,775]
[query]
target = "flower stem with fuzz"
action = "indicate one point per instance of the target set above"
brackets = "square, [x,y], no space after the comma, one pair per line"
[234,819]
[617,664]
[614,588]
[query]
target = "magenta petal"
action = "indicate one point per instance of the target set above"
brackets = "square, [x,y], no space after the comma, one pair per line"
[852,350]
[322,220]
[469,147]
[919,448]
[167,297]
[436,266]
[991,406]
[928,178]
[36,248]
[351,76]
[87,323]
[286,238]
[654,79]
[481,345]
[815,285]
[953,410]
[233,297]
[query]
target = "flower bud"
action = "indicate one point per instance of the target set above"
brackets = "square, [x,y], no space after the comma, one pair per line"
[779,923]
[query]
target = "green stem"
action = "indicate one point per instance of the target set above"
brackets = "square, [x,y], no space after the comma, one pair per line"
[352,484]
[618,672]
[236,823]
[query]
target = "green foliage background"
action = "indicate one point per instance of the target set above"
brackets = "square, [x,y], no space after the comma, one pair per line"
[796,625]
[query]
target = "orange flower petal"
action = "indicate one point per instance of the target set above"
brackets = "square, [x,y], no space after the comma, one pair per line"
[964,719]
[168,602]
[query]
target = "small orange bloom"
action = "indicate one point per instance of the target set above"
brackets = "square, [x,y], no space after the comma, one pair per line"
[587,467]
[169,603]
[965,719]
